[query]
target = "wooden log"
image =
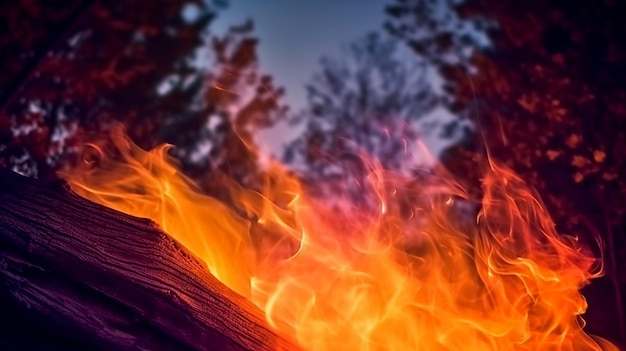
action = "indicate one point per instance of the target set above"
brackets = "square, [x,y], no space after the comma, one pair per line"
[77,275]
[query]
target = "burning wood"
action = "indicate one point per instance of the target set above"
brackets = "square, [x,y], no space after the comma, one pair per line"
[81,276]
[403,276]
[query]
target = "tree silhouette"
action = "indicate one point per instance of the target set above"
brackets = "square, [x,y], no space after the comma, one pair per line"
[368,101]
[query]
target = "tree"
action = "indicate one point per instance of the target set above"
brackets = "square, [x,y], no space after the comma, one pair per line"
[549,93]
[103,64]
[368,101]
[240,101]
[139,63]
[441,35]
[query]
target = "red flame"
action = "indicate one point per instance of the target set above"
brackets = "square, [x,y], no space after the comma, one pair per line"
[409,275]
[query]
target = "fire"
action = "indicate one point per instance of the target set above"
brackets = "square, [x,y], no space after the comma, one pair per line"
[402,274]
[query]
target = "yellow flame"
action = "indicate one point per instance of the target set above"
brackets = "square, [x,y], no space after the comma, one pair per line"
[407,276]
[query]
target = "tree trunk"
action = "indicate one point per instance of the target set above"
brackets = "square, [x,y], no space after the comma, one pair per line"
[75,275]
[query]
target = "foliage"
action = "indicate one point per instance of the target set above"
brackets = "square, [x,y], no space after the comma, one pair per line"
[102,64]
[83,65]
[240,101]
[439,34]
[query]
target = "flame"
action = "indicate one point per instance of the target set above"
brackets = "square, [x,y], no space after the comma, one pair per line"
[403,274]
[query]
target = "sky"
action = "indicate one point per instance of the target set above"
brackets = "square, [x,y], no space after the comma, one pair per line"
[294,34]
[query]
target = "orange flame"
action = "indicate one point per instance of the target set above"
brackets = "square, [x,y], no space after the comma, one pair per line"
[408,276]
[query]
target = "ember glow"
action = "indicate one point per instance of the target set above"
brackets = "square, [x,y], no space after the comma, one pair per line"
[403,274]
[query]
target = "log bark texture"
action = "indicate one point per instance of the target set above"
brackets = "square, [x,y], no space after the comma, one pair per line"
[75,275]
